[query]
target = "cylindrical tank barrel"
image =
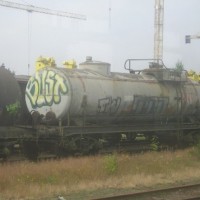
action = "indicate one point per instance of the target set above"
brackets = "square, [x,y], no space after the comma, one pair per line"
[10,97]
[102,96]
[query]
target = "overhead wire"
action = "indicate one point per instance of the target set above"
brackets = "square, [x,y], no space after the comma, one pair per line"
[110,14]
[29,40]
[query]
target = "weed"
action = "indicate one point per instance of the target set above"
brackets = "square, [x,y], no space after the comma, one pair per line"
[111,164]
[196,150]
[154,143]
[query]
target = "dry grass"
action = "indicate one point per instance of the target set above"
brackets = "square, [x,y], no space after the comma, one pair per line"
[51,178]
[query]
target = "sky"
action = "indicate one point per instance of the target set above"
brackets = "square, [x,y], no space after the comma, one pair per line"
[124,31]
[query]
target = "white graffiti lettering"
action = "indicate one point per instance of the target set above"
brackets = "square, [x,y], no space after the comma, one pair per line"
[46,88]
[109,105]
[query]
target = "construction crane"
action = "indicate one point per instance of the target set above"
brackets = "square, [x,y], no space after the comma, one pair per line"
[31,8]
[189,37]
[158,29]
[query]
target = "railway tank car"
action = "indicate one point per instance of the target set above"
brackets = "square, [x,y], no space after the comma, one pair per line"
[84,109]
[10,97]
[94,94]
[11,113]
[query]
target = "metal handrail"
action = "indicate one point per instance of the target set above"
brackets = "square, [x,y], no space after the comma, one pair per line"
[128,62]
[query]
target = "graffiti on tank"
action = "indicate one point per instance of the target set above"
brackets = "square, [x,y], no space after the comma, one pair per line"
[13,108]
[149,104]
[46,89]
[109,105]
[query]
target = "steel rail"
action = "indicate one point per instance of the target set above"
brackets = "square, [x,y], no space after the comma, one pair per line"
[193,198]
[149,193]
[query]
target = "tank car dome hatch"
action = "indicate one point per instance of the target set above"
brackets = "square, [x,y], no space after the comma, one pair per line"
[10,96]
[97,66]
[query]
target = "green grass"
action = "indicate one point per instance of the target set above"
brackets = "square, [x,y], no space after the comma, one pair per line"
[50,178]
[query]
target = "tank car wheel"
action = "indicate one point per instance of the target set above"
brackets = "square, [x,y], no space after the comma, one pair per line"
[86,145]
[130,136]
[5,153]
[113,139]
[196,137]
[31,150]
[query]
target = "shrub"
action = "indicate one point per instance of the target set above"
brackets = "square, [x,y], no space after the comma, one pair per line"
[111,164]
[154,143]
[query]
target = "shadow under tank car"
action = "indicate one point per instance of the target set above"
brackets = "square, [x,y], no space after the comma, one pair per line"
[91,104]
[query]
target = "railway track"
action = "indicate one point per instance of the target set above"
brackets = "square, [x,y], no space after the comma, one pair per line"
[186,192]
